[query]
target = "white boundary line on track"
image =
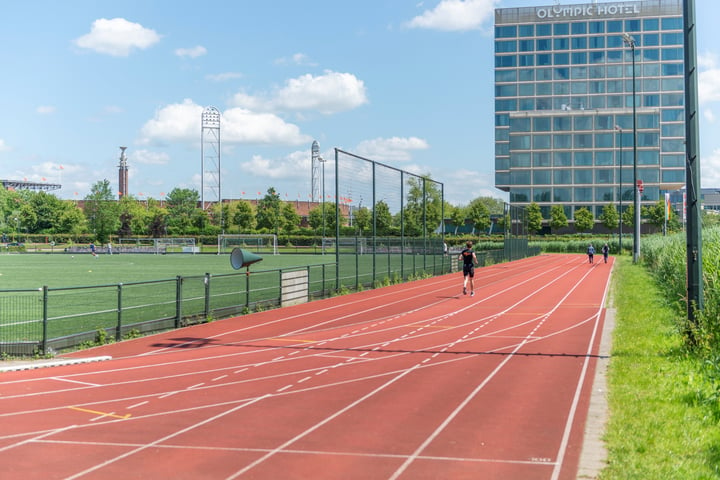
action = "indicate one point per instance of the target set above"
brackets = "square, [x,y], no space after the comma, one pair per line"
[578,389]
[383,374]
[323,422]
[415,455]
[167,437]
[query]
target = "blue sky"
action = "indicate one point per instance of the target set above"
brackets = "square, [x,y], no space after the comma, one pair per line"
[406,83]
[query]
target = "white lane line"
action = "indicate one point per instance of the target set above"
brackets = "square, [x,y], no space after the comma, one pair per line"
[34,439]
[320,424]
[168,437]
[578,390]
[416,454]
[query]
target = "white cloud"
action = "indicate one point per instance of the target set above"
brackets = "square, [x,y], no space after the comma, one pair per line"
[710,170]
[708,79]
[177,122]
[147,157]
[329,93]
[455,15]
[244,126]
[223,77]
[296,59]
[117,37]
[193,52]
[394,149]
[180,122]
[3,146]
[283,168]
[45,109]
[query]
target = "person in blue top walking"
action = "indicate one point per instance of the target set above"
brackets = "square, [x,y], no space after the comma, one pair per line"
[590,252]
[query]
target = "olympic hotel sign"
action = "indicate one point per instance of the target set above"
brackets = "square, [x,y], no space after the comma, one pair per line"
[579,11]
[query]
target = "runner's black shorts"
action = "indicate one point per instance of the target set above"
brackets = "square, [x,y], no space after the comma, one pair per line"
[469,270]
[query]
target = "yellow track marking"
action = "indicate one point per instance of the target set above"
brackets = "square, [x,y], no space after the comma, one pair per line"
[104,414]
[295,340]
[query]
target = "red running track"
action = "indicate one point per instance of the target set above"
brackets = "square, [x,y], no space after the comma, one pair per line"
[412,381]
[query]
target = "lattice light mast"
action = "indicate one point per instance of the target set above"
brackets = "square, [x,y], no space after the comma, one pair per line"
[122,174]
[315,171]
[210,156]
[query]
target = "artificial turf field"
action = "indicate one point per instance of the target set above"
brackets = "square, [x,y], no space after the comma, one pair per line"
[56,270]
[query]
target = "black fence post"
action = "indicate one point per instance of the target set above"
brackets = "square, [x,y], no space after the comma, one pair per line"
[207,295]
[178,301]
[118,329]
[43,343]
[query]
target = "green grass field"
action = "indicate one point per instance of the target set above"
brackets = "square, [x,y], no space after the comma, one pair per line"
[146,292]
[23,271]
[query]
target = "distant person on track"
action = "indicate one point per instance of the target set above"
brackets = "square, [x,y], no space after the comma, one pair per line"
[469,261]
[590,253]
[605,252]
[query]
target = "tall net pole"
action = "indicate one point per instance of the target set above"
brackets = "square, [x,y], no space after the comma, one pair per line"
[692,171]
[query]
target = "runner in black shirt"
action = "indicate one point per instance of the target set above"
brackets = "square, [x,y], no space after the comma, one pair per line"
[469,261]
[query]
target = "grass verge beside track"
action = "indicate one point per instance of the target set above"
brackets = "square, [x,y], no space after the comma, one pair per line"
[658,427]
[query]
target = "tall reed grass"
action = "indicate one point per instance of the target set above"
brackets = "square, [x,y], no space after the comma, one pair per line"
[666,258]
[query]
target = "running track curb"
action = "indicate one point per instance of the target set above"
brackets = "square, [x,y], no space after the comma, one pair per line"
[51,363]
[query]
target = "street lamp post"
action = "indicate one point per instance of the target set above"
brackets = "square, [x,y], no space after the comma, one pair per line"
[619,129]
[630,42]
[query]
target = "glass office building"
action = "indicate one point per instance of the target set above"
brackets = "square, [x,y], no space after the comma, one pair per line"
[564,103]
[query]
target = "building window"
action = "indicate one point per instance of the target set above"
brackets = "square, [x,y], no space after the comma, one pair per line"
[674,23]
[604,158]
[562,195]
[520,195]
[583,140]
[583,159]
[541,142]
[508,31]
[541,159]
[562,141]
[520,142]
[542,195]
[520,124]
[541,124]
[542,177]
[583,194]
[583,176]
[562,159]
[673,176]
[648,157]
[583,123]
[578,28]
[604,194]
[520,177]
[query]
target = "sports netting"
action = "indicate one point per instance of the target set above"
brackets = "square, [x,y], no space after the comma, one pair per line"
[388,223]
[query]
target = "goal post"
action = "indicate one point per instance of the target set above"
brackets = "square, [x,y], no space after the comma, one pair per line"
[175,245]
[257,243]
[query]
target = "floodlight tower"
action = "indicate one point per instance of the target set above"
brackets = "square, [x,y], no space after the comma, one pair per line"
[122,174]
[210,155]
[315,171]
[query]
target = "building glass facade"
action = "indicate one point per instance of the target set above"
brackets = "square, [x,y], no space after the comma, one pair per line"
[564,103]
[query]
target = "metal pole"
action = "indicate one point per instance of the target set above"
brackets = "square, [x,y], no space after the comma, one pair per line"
[630,41]
[692,170]
[619,128]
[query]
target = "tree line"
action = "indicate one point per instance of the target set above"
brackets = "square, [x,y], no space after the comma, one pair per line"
[100,215]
